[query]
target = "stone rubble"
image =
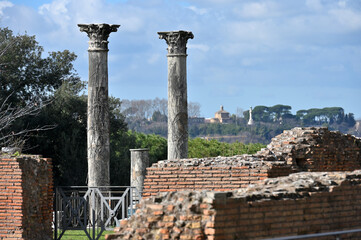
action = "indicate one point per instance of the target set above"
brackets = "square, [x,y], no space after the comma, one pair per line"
[190,214]
[312,160]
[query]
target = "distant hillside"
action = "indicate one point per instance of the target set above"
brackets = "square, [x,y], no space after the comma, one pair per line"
[267,122]
[260,132]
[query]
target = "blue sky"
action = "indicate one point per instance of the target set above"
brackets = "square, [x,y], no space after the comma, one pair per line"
[302,53]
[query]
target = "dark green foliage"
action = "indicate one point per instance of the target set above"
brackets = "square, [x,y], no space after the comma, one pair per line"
[157,146]
[28,76]
[317,116]
[25,74]
[66,143]
[120,143]
[120,154]
[269,114]
[159,117]
[200,148]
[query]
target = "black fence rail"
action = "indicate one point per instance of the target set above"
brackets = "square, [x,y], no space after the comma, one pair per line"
[92,209]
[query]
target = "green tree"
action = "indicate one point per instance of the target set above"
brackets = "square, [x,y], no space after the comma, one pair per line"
[120,143]
[66,143]
[27,78]
[25,74]
[317,116]
[351,120]
[201,148]
[278,111]
[120,156]
[159,117]
[261,113]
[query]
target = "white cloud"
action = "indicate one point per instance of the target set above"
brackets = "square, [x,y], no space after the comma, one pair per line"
[261,33]
[57,12]
[248,62]
[201,47]
[132,23]
[215,2]
[342,3]
[314,4]
[254,10]
[348,19]
[55,8]
[257,9]
[3,5]
[200,11]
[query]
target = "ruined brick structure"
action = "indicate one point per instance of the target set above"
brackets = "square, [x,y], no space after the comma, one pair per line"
[26,198]
[296,150]
[301,183]
[297,204]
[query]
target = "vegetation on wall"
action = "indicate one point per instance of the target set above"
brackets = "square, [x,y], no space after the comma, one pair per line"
[201,148]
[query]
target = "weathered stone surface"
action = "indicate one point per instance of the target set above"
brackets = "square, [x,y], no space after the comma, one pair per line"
[98,35]
[139,163]
[168,216]
[177,93]
[312,202]
[177,41]
[316,149]
[309,201]
[98,109]
[299,149]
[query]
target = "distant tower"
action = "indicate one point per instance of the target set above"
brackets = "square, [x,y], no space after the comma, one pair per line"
[250,121]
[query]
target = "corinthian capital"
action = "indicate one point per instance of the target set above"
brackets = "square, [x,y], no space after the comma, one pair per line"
[176,41]
[98,35]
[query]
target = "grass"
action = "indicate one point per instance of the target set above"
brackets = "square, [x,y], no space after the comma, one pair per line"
[80,235]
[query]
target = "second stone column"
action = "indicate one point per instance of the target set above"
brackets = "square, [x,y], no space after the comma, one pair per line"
[177,93]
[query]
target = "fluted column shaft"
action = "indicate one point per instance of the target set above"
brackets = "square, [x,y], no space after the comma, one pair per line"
[98,106]
[177,93]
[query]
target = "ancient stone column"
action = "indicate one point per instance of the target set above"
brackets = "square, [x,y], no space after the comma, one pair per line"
[98,107]
[139,163]
[177,93]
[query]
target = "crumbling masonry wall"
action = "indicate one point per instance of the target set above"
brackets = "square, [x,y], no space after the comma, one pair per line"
[296,150]
[26,198]
[301,203]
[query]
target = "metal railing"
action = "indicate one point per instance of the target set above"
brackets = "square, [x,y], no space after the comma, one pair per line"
[92,209]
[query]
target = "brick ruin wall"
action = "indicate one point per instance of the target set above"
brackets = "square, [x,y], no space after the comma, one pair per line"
[301,183]
[296,150]
[26,198]
[301,203]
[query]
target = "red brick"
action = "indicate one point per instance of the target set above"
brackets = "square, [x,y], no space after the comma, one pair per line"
[162,172]
[243,167]
[155,206]
[209,231]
